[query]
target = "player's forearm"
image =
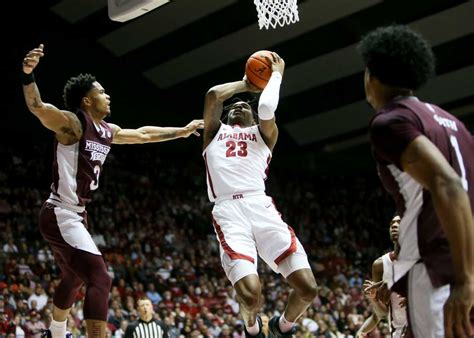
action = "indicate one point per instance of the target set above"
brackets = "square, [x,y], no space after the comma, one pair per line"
[33,98]
[454,212]
[369,325]
[160,134]
[227,90]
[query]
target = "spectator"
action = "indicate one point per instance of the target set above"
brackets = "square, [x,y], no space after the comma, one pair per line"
[39,296]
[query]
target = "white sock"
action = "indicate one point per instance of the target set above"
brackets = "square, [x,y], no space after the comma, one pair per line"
[284,324]
[253,330]
[58,329]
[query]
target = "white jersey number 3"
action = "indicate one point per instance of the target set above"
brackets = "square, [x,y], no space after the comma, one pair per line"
[95,184]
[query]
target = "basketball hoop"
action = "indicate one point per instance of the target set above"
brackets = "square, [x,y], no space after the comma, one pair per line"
[276,12]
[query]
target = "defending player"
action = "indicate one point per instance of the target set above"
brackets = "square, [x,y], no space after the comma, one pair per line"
[425,159]
[82,142]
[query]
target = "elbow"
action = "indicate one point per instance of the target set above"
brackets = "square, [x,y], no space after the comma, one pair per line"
[212,95]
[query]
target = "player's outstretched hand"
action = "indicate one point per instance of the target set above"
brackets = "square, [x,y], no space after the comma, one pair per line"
[369,291]
[193,126]
[457,311]
[32,59]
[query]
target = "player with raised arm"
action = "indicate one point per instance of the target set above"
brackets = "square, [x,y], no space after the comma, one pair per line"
[425,159]
[82,142]
[246,221]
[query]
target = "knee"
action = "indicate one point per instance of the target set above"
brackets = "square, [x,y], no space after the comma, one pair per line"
[308,291]
[249,296]
[103,281]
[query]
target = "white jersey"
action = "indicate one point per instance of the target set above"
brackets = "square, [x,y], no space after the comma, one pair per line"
[237,161]
[398,314]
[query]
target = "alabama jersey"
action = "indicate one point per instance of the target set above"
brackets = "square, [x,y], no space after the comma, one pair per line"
[237,162]
[77,167]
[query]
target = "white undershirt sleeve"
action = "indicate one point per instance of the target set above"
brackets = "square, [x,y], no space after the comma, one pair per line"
[269,99]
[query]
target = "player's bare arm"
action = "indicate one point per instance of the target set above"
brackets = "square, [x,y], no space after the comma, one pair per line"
[269,102]
[65,124]
[151,134]
[368,326]
[213,105]
[425,163]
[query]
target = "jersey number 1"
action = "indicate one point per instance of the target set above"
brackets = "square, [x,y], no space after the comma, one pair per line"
[231,149]
[455,144]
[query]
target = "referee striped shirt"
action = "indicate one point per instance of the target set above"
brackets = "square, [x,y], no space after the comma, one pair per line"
[141,329]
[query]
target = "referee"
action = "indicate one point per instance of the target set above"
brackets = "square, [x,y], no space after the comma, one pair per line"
[146,326]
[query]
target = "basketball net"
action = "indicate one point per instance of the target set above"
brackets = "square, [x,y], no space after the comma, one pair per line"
[276,12]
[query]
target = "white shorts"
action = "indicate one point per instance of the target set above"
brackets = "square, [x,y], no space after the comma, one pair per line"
[73,231]
[397,332]
[425,304]
[250,227]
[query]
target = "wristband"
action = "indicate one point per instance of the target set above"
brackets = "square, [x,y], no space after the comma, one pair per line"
[26,79]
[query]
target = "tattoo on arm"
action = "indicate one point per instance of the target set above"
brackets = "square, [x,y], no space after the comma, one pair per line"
[36,103]
[32,96]
[68,131]
[168,135]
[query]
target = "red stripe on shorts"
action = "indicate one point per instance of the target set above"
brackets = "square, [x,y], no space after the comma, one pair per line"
[290,250]
[227,249]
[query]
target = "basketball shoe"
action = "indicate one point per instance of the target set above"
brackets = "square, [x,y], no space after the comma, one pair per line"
[47,334]
[259,334]
[274,327]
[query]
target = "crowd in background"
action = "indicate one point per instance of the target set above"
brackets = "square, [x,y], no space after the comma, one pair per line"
[150,218]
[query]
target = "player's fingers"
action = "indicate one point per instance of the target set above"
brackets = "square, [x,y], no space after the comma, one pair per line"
[30,59]
[374,286]
[274,57]
[463,321]
[448,320]
[467,322]
[196,133]
[458,323]
[35,53]
[268,59]
[41,46]
[29,63]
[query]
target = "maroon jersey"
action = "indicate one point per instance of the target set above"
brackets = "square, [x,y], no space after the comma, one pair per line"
[421,235]
[77,167]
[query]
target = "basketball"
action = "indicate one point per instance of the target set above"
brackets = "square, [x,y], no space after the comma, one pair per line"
[258,69]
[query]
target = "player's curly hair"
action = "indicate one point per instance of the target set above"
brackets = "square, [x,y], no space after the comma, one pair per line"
[75,89]
[398,56]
